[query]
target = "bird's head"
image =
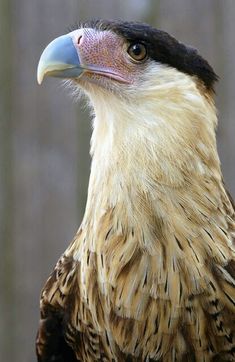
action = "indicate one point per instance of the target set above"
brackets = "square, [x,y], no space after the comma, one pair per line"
[122,56]
[153,92]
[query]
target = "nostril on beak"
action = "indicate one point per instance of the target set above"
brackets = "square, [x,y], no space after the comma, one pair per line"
[79,39]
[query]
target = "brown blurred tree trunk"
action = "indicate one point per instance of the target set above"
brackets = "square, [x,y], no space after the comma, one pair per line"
[45,163]
[7,310]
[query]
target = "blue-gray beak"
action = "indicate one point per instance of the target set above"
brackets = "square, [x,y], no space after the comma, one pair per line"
[59,59]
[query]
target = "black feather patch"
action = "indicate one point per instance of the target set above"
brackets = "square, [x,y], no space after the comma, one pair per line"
[51,345]
[162,48]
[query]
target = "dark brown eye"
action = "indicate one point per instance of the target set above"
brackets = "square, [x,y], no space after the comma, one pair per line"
[137,51]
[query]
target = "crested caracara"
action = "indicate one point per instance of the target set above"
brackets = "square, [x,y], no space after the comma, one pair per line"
[150,274]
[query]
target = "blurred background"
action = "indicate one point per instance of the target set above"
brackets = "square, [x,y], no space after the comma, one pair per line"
[44,138]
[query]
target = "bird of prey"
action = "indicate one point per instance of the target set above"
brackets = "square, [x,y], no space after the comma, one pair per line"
[150,274]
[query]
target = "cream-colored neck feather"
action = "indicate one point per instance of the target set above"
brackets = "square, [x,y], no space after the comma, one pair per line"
[160,142]
[155,164]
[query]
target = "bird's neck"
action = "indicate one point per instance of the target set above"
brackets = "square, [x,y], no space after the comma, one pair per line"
[156,205]
[146,153]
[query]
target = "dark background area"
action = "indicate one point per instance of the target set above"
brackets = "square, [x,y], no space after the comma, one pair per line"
[44,138]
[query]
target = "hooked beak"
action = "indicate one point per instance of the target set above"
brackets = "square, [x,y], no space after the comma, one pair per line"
[59,59]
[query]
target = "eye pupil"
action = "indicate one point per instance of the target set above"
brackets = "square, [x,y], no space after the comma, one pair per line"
[137,51]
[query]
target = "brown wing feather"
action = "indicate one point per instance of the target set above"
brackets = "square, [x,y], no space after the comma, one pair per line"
[50,342]
[230,267]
